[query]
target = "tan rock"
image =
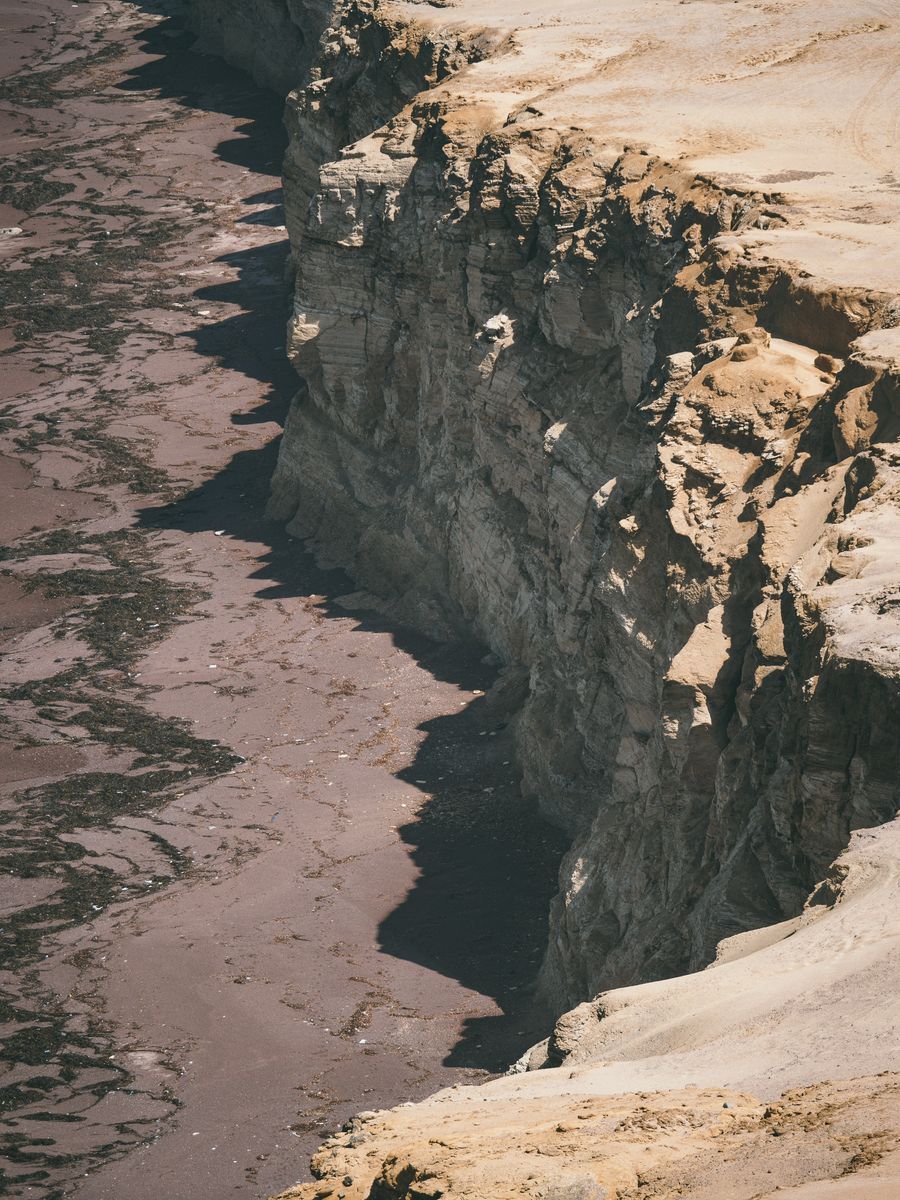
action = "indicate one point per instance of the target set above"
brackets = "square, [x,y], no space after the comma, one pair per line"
[599,367]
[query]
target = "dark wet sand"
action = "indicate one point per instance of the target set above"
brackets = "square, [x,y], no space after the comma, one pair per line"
[265,863]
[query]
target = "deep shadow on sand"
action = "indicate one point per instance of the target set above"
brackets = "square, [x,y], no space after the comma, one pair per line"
[487,861]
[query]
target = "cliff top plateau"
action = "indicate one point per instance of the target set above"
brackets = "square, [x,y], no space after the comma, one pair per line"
[796,101]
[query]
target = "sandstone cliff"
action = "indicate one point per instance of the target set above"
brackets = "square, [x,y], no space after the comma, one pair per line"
[601,361]
[526,413]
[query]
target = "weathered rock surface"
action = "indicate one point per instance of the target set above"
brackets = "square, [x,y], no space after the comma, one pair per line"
[762,1075]
[829,1141]
[578,380]
[526,414]
[275,40]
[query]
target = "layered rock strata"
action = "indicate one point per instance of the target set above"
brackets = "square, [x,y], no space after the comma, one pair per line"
[556,395]
[614,405]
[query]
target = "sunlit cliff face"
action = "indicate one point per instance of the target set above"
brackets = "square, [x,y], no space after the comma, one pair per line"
[561,393]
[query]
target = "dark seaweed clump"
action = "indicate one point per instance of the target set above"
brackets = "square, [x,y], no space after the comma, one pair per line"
[57,1055]
[91,287]
[86,292]
[119,612]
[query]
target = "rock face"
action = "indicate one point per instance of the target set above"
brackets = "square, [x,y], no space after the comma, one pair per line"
[578,381]
[556,395]
[275,40]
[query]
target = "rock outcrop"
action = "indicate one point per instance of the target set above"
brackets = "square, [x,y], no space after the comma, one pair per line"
[827,1142]
[578,380]
[555,394]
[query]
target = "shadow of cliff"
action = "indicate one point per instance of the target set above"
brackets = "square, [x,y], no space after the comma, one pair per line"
[252,341]
[488,866]
[487,862]
[178,72]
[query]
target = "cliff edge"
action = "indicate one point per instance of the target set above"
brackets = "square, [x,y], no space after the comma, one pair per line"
[597,316]
[763,1075]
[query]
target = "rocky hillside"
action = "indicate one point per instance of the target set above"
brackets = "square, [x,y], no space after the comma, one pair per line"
[600,367]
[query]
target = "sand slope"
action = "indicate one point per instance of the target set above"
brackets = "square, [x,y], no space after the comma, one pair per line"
[704,1086]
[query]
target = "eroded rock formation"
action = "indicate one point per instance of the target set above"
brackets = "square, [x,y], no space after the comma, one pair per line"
[554,396]
[688,1142]
[631,422]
